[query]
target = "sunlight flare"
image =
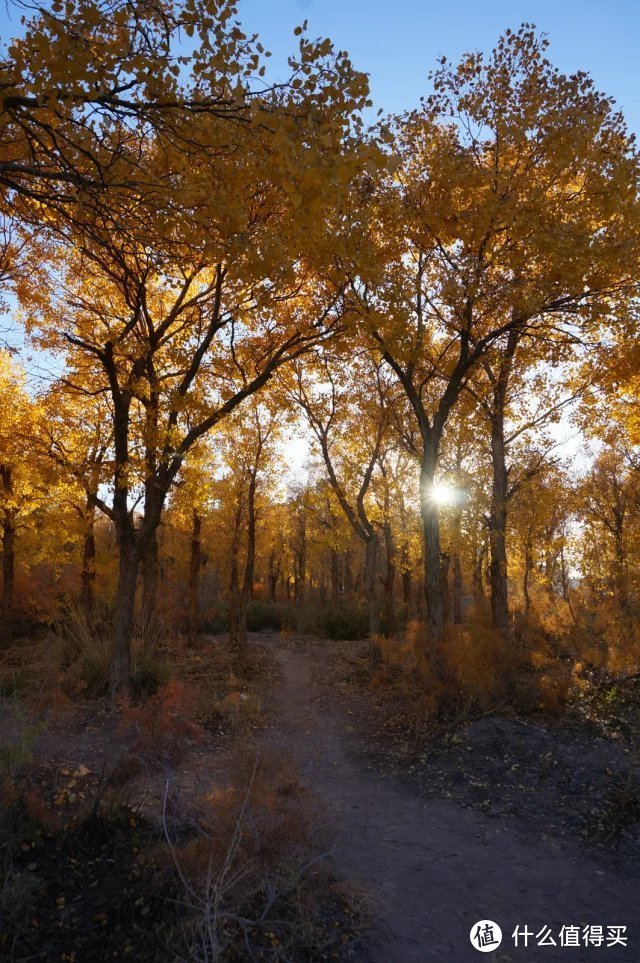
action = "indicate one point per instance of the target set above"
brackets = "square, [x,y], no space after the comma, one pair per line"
[443,494]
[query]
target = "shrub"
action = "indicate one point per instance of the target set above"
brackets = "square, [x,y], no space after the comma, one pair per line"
[252,886]
[216,621]
[148,675]
[237,711]
[19,751]
[165,725]
[347,624]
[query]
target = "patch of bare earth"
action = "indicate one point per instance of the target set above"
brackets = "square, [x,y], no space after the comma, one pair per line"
[410,820]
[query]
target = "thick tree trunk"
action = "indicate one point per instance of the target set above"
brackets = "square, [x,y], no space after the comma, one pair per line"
[389,579]
[431,534]
[274,572]
[407,586]
[195,564]
[620,572]
[300,569]
[8,569]
[348,575]
[528,565]
[500,491]
[8,552]
[246,591]
[123,615]
[498,525]
[407,590]
[88,574]
[150,579]
[445,564]
[234,571]
[478,582]
[335,576]
[457,589]
[234,596]
[370,579]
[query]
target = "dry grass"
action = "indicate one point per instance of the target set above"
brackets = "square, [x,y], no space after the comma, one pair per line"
[256,884]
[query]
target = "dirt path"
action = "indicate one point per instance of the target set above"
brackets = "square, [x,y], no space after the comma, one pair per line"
[434,868]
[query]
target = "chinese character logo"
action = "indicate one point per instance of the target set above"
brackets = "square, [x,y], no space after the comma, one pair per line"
[485,936]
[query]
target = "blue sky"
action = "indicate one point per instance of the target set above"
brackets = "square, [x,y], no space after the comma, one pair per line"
[398,42]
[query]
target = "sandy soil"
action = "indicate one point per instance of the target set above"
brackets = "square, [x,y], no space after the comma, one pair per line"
[434,867]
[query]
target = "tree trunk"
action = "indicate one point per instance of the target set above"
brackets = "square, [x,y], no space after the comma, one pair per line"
[8,550]
[457,589]
[528,565]
[620,577]
[123,615]
[389,580]
[150,579]
[478,584]
[274,572]
[348,575]
[234,593]
[431,534]
[445,564]
[335,576]
[300,553]
[195,564]
[249,569]
[8,570]
[370,574]
[499,490]
[498,525]
[88,574]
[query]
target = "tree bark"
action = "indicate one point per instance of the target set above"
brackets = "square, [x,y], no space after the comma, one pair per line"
[8,552]
[150,579]
[123,615]
[499,489]
[431,535]
[528,565]
[249,569]
[274,573]
[335,576]
[348,575]
[88,574]
[8,566]
[407,590]
[445,564]
[390,574]
[370,579]
[300,557]
[620,575]
[234,581]
[497,526]
[478,566]
[195,564]
[457,589]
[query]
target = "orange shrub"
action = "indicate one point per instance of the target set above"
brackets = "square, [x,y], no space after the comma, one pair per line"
[166,725]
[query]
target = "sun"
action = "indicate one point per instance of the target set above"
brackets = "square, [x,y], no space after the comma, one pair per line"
[442,494]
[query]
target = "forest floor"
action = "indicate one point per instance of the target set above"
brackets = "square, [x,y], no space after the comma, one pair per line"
[433,864]
[529,824]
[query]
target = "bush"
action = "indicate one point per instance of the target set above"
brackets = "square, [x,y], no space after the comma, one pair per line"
[347,623]
[19,752]
[253,887]
[216,621]
[148,675]
[275,616]
[165,725]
